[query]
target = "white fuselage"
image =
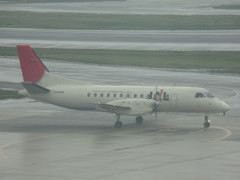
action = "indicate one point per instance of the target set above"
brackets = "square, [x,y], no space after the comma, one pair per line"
[171,99]
[42,85]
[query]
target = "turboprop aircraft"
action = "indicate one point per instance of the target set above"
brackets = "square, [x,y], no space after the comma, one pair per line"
[137,101]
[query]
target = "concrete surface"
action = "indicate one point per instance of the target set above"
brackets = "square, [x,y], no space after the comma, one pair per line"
[180,40]
[42,141]
[179,7]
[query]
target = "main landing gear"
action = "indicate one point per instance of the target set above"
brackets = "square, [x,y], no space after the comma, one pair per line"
[119,124]
[139,119]
[207,122]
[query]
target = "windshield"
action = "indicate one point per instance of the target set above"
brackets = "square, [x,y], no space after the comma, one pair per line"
[209,95]
[199,95]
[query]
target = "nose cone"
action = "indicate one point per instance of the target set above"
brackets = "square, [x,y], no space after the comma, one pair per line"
[225,107]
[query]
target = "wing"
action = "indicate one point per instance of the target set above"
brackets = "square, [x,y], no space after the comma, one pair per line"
[130,107]
[112,108]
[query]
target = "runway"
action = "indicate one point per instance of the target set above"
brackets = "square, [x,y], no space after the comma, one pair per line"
[181,40]
[179,7]
[42,141]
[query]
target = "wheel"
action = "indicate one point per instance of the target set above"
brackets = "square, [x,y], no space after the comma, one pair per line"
[206,124]
[118,124]
[139,119]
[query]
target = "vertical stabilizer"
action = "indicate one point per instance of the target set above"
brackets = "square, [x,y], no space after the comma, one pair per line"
[32,67]
[34,71]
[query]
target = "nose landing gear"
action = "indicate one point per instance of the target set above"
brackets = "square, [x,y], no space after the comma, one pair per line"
[207,122]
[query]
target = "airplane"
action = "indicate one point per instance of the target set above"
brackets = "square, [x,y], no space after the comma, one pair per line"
[40,84]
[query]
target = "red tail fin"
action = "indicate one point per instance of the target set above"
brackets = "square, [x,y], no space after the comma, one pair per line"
[32,67]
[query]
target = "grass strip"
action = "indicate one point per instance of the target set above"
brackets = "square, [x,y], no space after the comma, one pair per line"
[222,61]
[83,21]
[233,7]
[9,94]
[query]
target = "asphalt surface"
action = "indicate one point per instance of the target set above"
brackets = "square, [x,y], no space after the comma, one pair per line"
[123,39]
[42,141]
[179,7]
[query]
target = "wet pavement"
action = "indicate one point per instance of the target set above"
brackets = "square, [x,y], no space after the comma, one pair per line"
[43,141]
[178,40]
[179,7]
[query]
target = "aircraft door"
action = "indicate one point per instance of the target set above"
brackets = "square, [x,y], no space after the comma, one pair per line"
[174,101]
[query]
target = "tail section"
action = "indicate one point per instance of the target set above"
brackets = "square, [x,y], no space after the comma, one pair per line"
[32,67]
[35,73]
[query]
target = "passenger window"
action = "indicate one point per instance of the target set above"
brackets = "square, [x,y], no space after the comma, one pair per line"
[199,95]
[121,95]
[89,94]
[114,95]
[101,94]
[135,95]
[128,95]
[108,94]
[95,94]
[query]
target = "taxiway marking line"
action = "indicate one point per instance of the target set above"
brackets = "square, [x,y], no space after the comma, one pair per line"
[236,93]
[4,147]
[228,134]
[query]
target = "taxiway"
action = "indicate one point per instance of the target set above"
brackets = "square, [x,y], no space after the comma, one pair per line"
[180,40]
[42,141]
[179,7]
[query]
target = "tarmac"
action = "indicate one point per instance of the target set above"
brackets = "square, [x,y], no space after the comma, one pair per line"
[176,40]
[176,7]
[43,141]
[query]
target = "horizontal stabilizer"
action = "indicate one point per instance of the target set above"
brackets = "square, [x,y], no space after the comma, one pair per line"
[33,88]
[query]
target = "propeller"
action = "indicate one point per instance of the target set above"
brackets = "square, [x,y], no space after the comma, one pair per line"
[156,102]
[155,108]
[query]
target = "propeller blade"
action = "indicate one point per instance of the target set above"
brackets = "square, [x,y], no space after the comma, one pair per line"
[155,108]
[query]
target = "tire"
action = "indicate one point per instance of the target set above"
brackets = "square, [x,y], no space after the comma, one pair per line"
[118,124]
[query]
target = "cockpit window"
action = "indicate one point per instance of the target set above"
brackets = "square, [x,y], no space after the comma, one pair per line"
[199,95]
[209,95]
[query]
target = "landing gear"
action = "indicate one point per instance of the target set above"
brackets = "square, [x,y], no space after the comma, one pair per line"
[207,122]
[118,123]
[139,119]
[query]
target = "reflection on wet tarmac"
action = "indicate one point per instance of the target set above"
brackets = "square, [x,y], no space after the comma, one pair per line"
[42,141]
[179,7]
